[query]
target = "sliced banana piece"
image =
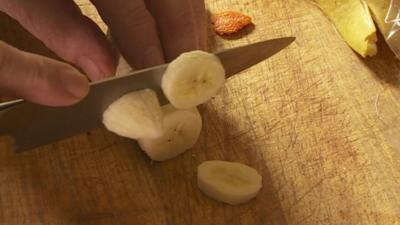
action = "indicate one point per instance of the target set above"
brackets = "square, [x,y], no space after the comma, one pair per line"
[192,79]
[229,182]
[135,115]
[181,131]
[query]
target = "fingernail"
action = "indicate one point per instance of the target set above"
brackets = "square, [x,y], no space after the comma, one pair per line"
[75,83]
[91,69]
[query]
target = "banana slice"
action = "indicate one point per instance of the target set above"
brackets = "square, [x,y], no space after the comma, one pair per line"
[354,22]
[192,79]
[229,182]
[135,115]
[181,131]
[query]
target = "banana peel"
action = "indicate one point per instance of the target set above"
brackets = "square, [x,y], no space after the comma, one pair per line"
[353,21]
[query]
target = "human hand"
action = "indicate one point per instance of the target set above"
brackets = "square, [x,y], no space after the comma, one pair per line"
[147,33]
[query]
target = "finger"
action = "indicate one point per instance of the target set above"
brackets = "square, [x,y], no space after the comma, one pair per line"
[133,29]
[182,25]
[63,29]
[39,79]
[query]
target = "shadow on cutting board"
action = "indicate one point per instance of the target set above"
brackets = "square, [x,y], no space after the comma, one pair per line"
[385,64]
[219,140]
[100,178]
[87,180]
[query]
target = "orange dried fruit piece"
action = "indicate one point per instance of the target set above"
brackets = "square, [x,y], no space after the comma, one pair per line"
[230,22]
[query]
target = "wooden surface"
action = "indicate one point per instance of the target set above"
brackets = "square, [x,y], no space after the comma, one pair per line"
[321,124]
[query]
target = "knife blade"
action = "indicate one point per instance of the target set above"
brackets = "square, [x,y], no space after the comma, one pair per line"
[33,125]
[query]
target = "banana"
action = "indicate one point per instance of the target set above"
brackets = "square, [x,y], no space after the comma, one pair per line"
[135,115]
[192,79]
[181,131]
[229,182]
[354,22]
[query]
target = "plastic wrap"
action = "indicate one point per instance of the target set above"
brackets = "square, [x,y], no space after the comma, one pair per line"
[390,30]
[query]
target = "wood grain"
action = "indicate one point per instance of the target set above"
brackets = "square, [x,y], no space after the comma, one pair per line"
[320,123]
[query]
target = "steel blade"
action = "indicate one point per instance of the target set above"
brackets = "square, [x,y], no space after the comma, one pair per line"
[33,125]
[238,59]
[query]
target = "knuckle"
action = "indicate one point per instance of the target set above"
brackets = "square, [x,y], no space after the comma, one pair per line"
[36,73]
[139,14]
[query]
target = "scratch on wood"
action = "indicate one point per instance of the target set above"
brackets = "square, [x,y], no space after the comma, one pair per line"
[376,105]
[310,215]
[297,201]
[104,147]
[302,92]
[293,139]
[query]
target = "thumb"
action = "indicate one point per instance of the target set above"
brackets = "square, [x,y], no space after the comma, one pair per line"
[39,79]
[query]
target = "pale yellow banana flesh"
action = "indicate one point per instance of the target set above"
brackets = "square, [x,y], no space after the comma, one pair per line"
[192,79]
[181,130]
[230,182]
[135,115]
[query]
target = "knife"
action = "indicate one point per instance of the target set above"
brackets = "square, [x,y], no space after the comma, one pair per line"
[33,125]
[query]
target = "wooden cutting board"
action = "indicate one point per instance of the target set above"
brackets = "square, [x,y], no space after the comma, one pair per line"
[321,124]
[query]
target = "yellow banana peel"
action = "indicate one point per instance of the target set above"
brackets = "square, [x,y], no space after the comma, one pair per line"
[353,21]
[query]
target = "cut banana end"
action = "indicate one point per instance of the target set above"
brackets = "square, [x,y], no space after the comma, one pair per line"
[135,115]
[192,79]
[229,182]
[181,131]
[353,21]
